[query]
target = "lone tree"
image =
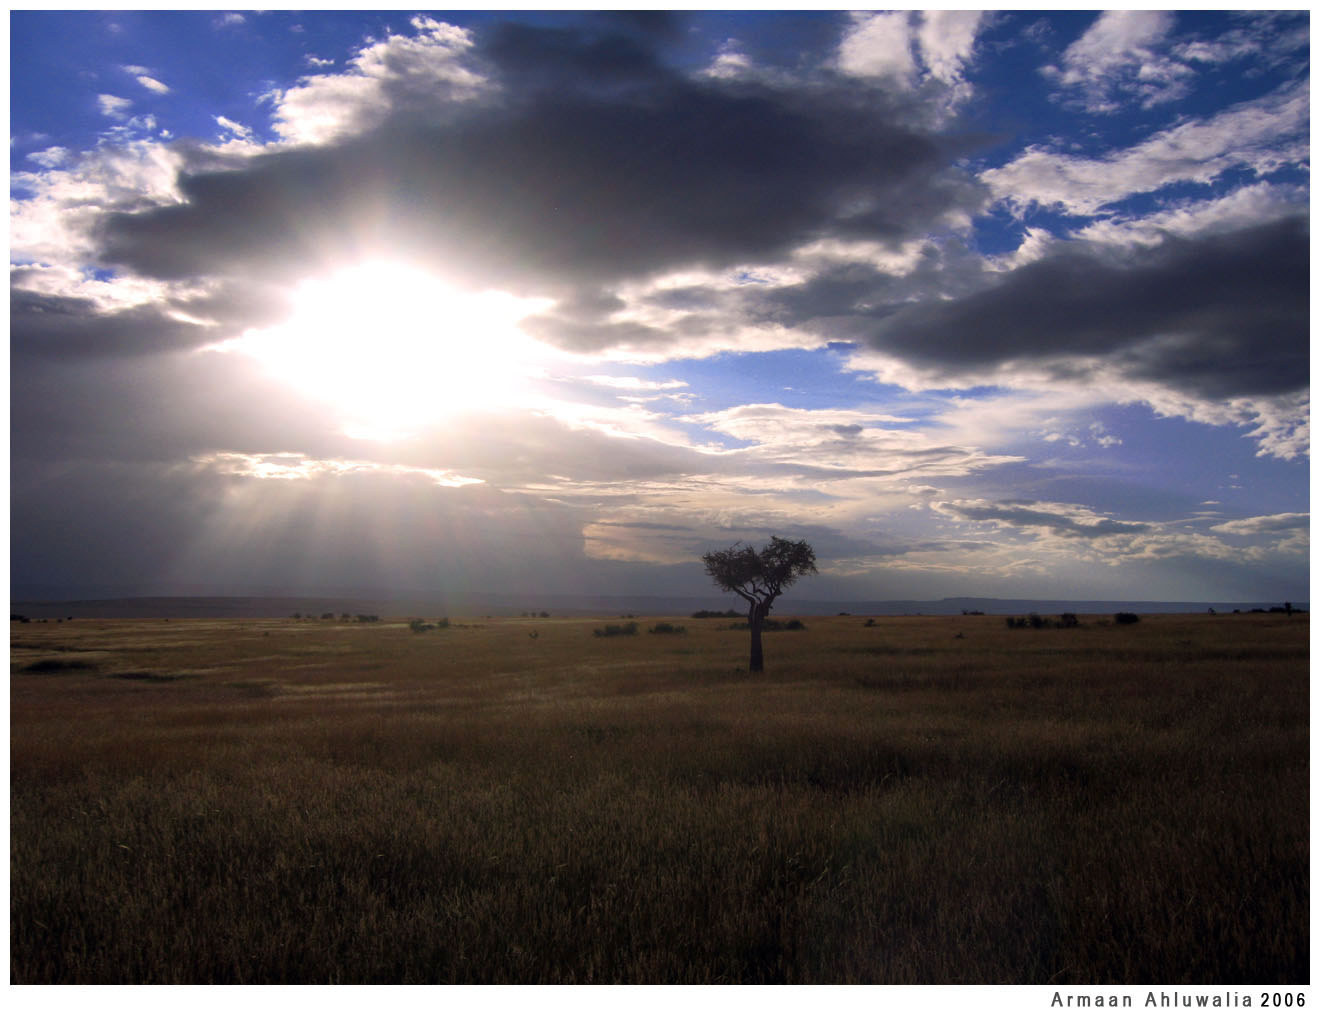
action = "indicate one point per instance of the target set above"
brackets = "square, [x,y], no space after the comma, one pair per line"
[759,576]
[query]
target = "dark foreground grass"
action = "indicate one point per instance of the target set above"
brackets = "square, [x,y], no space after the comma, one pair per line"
[270,802]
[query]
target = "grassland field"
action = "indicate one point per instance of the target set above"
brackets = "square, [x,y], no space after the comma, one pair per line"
[923,800]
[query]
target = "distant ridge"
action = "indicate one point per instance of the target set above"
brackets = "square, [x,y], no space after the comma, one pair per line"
[600,605]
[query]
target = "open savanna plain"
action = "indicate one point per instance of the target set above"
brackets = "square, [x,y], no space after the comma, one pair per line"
[924,800]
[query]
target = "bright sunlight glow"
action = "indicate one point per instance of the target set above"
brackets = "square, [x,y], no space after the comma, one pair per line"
[391,347]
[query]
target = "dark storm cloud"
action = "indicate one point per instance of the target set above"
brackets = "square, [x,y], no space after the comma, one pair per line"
[66,327]
[558,58]
[654,26]
[46,326]
[102,522]
[1216,316]
[159,409]
[585,334]
[633,170]
[146,527]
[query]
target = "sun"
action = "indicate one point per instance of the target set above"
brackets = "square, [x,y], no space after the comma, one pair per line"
[392,347]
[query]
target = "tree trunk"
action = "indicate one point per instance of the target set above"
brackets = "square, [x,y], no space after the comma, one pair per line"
[755,617]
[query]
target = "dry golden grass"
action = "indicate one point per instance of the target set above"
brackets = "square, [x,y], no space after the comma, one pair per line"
[281,801]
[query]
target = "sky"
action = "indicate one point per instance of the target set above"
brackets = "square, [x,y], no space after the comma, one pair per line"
[979,304]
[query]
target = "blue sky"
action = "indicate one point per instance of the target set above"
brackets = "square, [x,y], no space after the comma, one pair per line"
[1003,304]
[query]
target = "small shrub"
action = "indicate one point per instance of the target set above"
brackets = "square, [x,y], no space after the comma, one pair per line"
[418,626]
[715,614]
[612,630]
[1125,618]
[870,622]
[1037,622]
[57,665]
[368,618]
[327,616]
[664,627]
[443,622]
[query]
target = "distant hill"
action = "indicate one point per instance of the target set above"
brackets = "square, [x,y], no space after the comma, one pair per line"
[567,606]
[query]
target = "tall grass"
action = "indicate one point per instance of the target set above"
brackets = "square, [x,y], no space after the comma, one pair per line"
[277,803]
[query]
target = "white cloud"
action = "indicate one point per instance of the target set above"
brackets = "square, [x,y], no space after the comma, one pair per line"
[1261,39]
[55,224]
[1102,437]
[1095,434]
[1036,243]
[879,45]
[775,423]
[51,157]
[947,39]
[234,127]
[842,445]
[1116,59]
[633,383]
[151,84]
[1061,534]
[1246,206]
[1287,522]
[316,61]
[892,259]
[427,65]
[1262,136]
[910,50]
[1282,427]
[729,62]
[285,465]
[113,106]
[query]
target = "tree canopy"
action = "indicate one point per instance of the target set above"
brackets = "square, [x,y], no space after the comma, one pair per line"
[759,576]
